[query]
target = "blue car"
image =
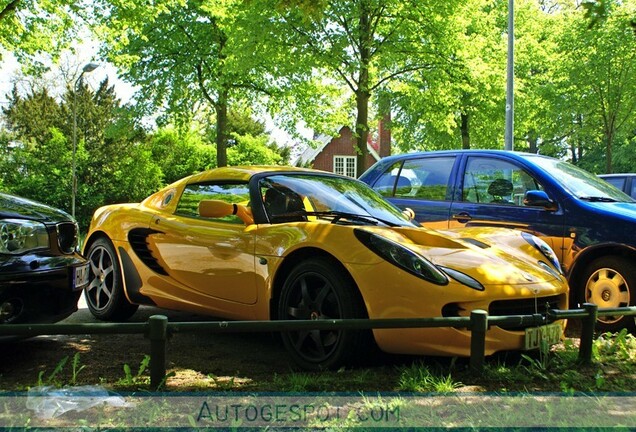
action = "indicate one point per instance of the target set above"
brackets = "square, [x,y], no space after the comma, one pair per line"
[625,182]
[589,223]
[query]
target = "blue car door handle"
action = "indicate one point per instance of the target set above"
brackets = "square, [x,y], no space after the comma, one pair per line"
[462,217]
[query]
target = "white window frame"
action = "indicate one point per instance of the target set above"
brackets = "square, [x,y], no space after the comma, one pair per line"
[345,165]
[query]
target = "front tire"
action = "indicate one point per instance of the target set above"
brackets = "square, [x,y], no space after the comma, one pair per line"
[317,289]
[610,282]
[104,294]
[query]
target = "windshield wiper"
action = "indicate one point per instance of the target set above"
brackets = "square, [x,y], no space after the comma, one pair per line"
[597,199]
[337,215]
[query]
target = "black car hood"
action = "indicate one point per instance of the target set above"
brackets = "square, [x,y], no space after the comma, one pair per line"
[21,208]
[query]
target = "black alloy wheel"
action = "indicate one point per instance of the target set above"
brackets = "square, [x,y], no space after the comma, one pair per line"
[317,289]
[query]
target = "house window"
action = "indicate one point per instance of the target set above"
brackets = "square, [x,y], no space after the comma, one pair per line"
[345,165]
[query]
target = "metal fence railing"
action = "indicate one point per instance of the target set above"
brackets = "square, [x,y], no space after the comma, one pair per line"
[158,329]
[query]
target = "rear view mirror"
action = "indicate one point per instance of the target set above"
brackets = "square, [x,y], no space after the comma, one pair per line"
[219,209]
[537,198]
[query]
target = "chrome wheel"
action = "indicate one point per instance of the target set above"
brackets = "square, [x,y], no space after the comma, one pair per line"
[99,291]
[104,294]
[609,283]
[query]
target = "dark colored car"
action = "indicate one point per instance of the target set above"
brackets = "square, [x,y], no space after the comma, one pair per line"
[625,182]
[41,273]
[590,224]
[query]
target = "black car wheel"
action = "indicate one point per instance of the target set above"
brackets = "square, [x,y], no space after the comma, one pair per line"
[315,290]
[105,293]
[610,282]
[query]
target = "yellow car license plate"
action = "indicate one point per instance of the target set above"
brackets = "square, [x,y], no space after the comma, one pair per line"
[543,336]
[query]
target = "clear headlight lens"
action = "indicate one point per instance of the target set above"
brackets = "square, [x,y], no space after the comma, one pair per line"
[463,278]
[18,236]
[402,257]
[544,248]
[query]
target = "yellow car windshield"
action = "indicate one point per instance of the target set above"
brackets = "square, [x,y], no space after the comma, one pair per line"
[300,197]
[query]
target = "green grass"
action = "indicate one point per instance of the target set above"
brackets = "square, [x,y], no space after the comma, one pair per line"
[613,369]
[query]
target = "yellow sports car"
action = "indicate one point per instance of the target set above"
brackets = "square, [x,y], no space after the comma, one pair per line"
[261,243]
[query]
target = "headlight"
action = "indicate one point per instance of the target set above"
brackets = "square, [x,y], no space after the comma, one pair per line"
[544,248]
[18,236]
[463,278]
[402,257]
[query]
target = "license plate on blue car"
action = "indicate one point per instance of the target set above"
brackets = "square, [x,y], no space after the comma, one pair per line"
[80,276]
[546,335]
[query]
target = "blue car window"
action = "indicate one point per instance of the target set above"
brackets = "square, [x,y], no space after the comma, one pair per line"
[385,184]
[619,182]
[491,180]
[425,178]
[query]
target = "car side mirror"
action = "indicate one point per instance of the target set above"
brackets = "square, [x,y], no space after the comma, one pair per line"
[219,209]
[537,198]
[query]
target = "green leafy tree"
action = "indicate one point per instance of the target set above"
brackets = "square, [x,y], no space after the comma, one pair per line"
[600,63]
[113,165]
[32,27]
[250,150]
[186,57]
[36,160]
[20,113]
[541,123]
[461,104]
[364,46]
[180,154]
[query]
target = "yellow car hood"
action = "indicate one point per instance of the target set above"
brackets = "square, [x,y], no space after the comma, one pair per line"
[493,256]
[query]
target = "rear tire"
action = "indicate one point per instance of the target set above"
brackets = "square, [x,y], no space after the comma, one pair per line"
[316,289]
[610,282]
[104,294]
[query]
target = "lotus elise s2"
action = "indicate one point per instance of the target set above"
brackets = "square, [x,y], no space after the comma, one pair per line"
[280,243]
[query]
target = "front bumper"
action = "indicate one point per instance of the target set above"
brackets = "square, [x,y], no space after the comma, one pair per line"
[448,341]
[38,290]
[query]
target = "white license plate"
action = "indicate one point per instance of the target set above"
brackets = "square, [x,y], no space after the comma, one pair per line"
[80,276]
[546,335]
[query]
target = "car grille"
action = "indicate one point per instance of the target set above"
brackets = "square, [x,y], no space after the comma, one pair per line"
[529,306]
[67,236]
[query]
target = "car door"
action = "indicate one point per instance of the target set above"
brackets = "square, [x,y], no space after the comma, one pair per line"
[422,184]
[213,257]
[491,192]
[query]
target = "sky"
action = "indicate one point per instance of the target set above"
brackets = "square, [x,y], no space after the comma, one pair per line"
[10,68]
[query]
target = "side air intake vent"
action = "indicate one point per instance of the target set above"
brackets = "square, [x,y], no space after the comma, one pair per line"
[138,239]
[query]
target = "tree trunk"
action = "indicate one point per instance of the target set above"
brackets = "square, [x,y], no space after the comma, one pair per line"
[221,127]
[609,136]
[362,131]
[362,93]
[465,130]
[533,142]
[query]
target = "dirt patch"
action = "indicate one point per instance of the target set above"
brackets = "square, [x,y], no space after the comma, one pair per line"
[196,360]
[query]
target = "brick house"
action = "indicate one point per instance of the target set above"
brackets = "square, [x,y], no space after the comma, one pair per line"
[338,155]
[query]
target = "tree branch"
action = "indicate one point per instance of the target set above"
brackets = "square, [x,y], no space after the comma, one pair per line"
[9,8]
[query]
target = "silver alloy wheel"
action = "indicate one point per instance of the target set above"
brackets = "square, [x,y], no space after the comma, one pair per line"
[607,288]
[102,284]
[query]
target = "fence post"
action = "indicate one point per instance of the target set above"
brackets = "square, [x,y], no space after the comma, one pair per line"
[157,331]
[478,328]
[587,332]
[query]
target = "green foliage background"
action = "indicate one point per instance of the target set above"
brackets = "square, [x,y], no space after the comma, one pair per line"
[206,70]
